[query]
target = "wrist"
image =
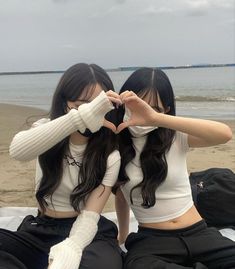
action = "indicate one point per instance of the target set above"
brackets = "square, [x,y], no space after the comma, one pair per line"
[64,255]
[77,120]
[159,119]
[65,249]
[93,113]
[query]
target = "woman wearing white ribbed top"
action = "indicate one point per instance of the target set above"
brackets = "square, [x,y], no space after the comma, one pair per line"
[154,181]
[77,165]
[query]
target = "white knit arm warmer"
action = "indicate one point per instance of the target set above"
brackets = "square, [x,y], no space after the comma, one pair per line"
[27,145]
[68,253]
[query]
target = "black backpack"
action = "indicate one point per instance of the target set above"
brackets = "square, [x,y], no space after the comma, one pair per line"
[213,193]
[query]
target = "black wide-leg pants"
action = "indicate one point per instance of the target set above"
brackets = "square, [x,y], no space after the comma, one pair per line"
[196,246]
[28,247]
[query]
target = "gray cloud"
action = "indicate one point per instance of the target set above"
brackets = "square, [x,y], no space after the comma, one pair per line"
[198,8]
[53,34]
[121,1]
[62,1]
[152,10]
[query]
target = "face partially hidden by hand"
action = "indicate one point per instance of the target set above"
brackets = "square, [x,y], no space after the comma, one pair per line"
[137,131]
[156,104]
[87,97]
[140,112]
[89,94]
[111,116]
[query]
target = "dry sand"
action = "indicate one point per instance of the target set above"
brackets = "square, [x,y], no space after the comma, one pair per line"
[17,178]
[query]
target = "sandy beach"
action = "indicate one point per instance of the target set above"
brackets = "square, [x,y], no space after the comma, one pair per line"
[17,178]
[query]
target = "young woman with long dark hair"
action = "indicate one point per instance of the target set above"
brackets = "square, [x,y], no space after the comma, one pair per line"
[154,180]
[77,165]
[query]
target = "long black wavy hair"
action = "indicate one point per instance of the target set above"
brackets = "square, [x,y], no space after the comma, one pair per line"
[152,84]
[79,80]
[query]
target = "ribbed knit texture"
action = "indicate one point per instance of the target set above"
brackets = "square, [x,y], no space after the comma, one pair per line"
[85,225]
[27,145]
[67,254]
[93,113]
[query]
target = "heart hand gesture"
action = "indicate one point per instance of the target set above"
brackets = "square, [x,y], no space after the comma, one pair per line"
[141,113]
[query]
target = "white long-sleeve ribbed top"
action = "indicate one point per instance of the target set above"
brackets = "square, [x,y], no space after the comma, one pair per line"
[27,145]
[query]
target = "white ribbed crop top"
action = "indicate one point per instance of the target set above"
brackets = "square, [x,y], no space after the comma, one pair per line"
[173,196]
[61,197]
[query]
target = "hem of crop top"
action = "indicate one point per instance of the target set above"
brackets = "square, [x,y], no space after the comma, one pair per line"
[60,209]
[166,218]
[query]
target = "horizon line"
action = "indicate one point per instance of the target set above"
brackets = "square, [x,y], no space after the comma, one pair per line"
[122,68]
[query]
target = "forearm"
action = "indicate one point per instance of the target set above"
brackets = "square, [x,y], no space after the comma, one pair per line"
[85,227]
[68,253]
[123,216]
[211,132]
[29,144]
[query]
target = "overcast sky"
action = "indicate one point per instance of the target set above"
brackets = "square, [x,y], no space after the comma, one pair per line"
[54,34]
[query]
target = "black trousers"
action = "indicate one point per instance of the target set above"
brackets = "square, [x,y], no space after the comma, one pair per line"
[28,247]
[196,246]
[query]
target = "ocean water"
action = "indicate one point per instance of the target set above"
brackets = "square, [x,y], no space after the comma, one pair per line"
[200,92]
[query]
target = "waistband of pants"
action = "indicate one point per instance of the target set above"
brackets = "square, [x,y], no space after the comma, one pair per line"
[196,227]
[105,226]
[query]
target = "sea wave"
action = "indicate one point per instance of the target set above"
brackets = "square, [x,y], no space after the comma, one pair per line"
[188,98]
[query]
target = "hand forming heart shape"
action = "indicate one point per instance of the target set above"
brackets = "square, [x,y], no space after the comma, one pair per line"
[141,113]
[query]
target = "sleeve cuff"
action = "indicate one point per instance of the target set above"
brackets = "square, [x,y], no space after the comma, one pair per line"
[93,113]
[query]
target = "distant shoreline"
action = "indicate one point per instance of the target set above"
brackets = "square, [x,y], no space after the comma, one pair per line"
[120,69]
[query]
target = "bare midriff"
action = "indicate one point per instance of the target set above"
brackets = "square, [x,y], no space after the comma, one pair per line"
[60,214]
[187,219]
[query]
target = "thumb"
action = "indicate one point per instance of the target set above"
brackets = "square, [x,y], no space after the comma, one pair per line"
[110,125]
[122,126]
